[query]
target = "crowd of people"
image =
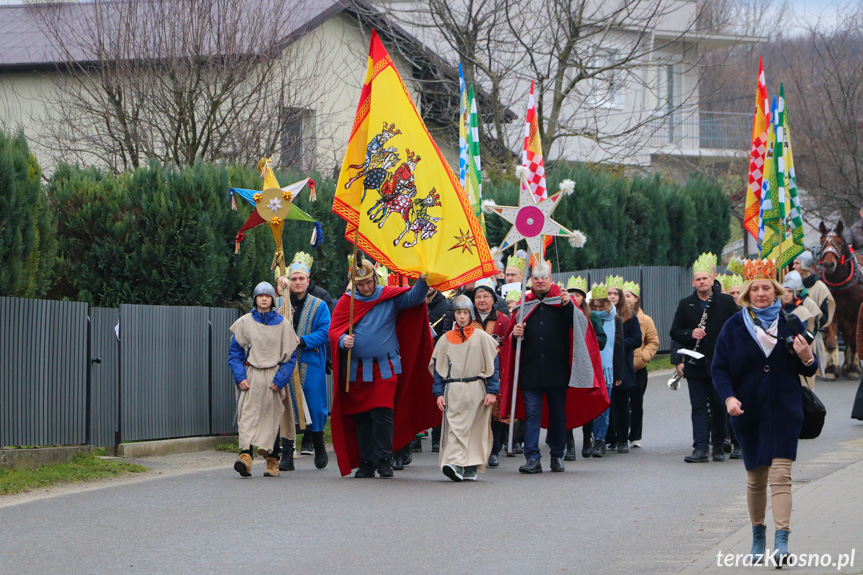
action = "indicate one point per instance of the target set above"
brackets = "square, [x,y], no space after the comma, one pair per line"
[501,358]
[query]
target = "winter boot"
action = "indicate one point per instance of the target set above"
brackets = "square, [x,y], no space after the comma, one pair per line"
[272,467]
[780,547]
[307,447]
[570,446]
[367,469]
[598,448]
[416,445]
[759,542]
[435,439]
[243,465]
[384,468]
[321,458]
[398,463]
[287,461]
[407,455]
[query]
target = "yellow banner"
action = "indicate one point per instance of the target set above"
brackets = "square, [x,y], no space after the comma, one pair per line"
[398,192]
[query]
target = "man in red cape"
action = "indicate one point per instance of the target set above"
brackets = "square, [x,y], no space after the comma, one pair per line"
[390,395]
[585,395]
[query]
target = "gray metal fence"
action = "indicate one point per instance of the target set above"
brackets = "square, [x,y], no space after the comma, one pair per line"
[65,378]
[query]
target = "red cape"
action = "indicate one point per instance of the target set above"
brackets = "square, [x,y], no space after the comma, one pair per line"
[582,404]
[415,407]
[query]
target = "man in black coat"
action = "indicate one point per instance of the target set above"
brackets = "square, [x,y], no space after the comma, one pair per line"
[685,331]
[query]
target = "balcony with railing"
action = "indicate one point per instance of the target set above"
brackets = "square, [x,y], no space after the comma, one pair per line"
[699,132]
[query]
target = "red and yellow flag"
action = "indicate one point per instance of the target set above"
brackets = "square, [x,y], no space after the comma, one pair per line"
[532,155]
[757,155]
[397,193]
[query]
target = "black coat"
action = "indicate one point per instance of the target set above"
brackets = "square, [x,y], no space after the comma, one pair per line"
[440,309]
[631,342]
[321,293]
[686,319]
[547,347]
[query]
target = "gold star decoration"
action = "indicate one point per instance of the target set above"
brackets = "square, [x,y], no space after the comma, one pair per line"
[465,241]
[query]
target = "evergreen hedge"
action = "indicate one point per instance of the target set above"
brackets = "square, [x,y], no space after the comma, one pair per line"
[27,227]
[159,235]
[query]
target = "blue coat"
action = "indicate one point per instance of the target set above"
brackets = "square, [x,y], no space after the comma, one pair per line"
[767,388]
[314,342]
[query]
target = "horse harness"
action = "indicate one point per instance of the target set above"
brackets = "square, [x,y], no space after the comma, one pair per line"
[829,245]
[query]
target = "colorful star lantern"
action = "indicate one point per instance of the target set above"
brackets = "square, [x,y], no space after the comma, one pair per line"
[530,221]
[274,205]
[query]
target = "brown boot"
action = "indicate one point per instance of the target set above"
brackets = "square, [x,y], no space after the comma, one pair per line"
[272,467]
[243,465]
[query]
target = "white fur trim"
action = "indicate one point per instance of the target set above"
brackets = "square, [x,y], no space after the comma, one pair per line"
[577,240]
[486,206]
[521,172]
[567,186]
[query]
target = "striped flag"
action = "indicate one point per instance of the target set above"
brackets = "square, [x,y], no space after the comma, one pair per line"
[462,126]
[470,166]
[532,156]
[757,155]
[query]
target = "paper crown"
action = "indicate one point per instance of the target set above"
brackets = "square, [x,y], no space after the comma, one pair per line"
[735,266]
[599,291]
[302,263]
[515,262]
[759,270]
[614,282]
[542,266]
[577,283]
[730,282]
[705,264]
[486,283]
[513,295]
[383,275]
[632,288]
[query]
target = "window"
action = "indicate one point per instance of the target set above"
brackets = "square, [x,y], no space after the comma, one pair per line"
[606,88]
[298,139]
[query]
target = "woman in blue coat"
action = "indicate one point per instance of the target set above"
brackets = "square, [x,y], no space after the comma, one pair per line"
[756,369]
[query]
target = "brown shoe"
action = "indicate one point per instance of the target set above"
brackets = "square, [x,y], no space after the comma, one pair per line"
[272,467]
[243,465]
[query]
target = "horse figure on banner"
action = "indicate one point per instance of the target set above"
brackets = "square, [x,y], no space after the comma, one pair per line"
[842,275]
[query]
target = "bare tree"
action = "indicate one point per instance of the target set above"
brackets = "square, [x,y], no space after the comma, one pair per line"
[181,81]
[598,66]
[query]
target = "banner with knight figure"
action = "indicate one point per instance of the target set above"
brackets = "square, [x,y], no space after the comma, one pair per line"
[401,201]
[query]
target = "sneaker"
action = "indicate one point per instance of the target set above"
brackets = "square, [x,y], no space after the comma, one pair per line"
[385,469]
[493,460]
[307,447]
[454,472]
[623,447]
[635,443]
[598,448]
[736,454]
[367,469]
[470,473]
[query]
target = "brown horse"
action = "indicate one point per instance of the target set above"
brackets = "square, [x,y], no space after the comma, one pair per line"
[841,273]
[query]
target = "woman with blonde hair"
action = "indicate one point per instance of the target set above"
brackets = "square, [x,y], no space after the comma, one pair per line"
[756,367]
[641,357]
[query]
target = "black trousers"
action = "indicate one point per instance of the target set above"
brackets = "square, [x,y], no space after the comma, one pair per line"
[620,399]
[703,396]
[375,434]
[499,435]
[637,403]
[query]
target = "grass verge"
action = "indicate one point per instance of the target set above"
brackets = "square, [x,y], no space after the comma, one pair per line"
[659,362]
[82,468]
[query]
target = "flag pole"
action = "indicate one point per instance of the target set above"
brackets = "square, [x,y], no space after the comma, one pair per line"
[351,313]
[515,375]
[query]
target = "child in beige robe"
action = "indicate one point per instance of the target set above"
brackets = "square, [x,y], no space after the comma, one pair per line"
[466,382]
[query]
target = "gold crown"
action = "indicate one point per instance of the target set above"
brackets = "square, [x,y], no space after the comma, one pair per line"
[735,266]
[599,291]
[705,264]
[513,295]
[632,288]
[515,262]
[383,275]
[759,270]
[578,283]
[734,281]
[614,282]
[302,263]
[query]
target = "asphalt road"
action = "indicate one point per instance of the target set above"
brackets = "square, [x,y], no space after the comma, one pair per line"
[645,512]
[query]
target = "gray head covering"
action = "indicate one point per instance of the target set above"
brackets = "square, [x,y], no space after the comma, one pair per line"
[463,302]
[793,281]
[264,288]
[805,259]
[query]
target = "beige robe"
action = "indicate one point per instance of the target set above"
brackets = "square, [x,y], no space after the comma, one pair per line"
[260,409]
[466,435]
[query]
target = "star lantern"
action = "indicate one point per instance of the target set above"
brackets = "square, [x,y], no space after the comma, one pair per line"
[273,205]
[531,221]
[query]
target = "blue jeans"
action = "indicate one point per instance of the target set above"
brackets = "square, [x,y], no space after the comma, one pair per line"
[556,397]
[600,424]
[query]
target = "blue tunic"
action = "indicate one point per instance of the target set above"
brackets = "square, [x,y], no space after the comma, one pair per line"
[768,389]
[375,335]
[237,355]
[314,343]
